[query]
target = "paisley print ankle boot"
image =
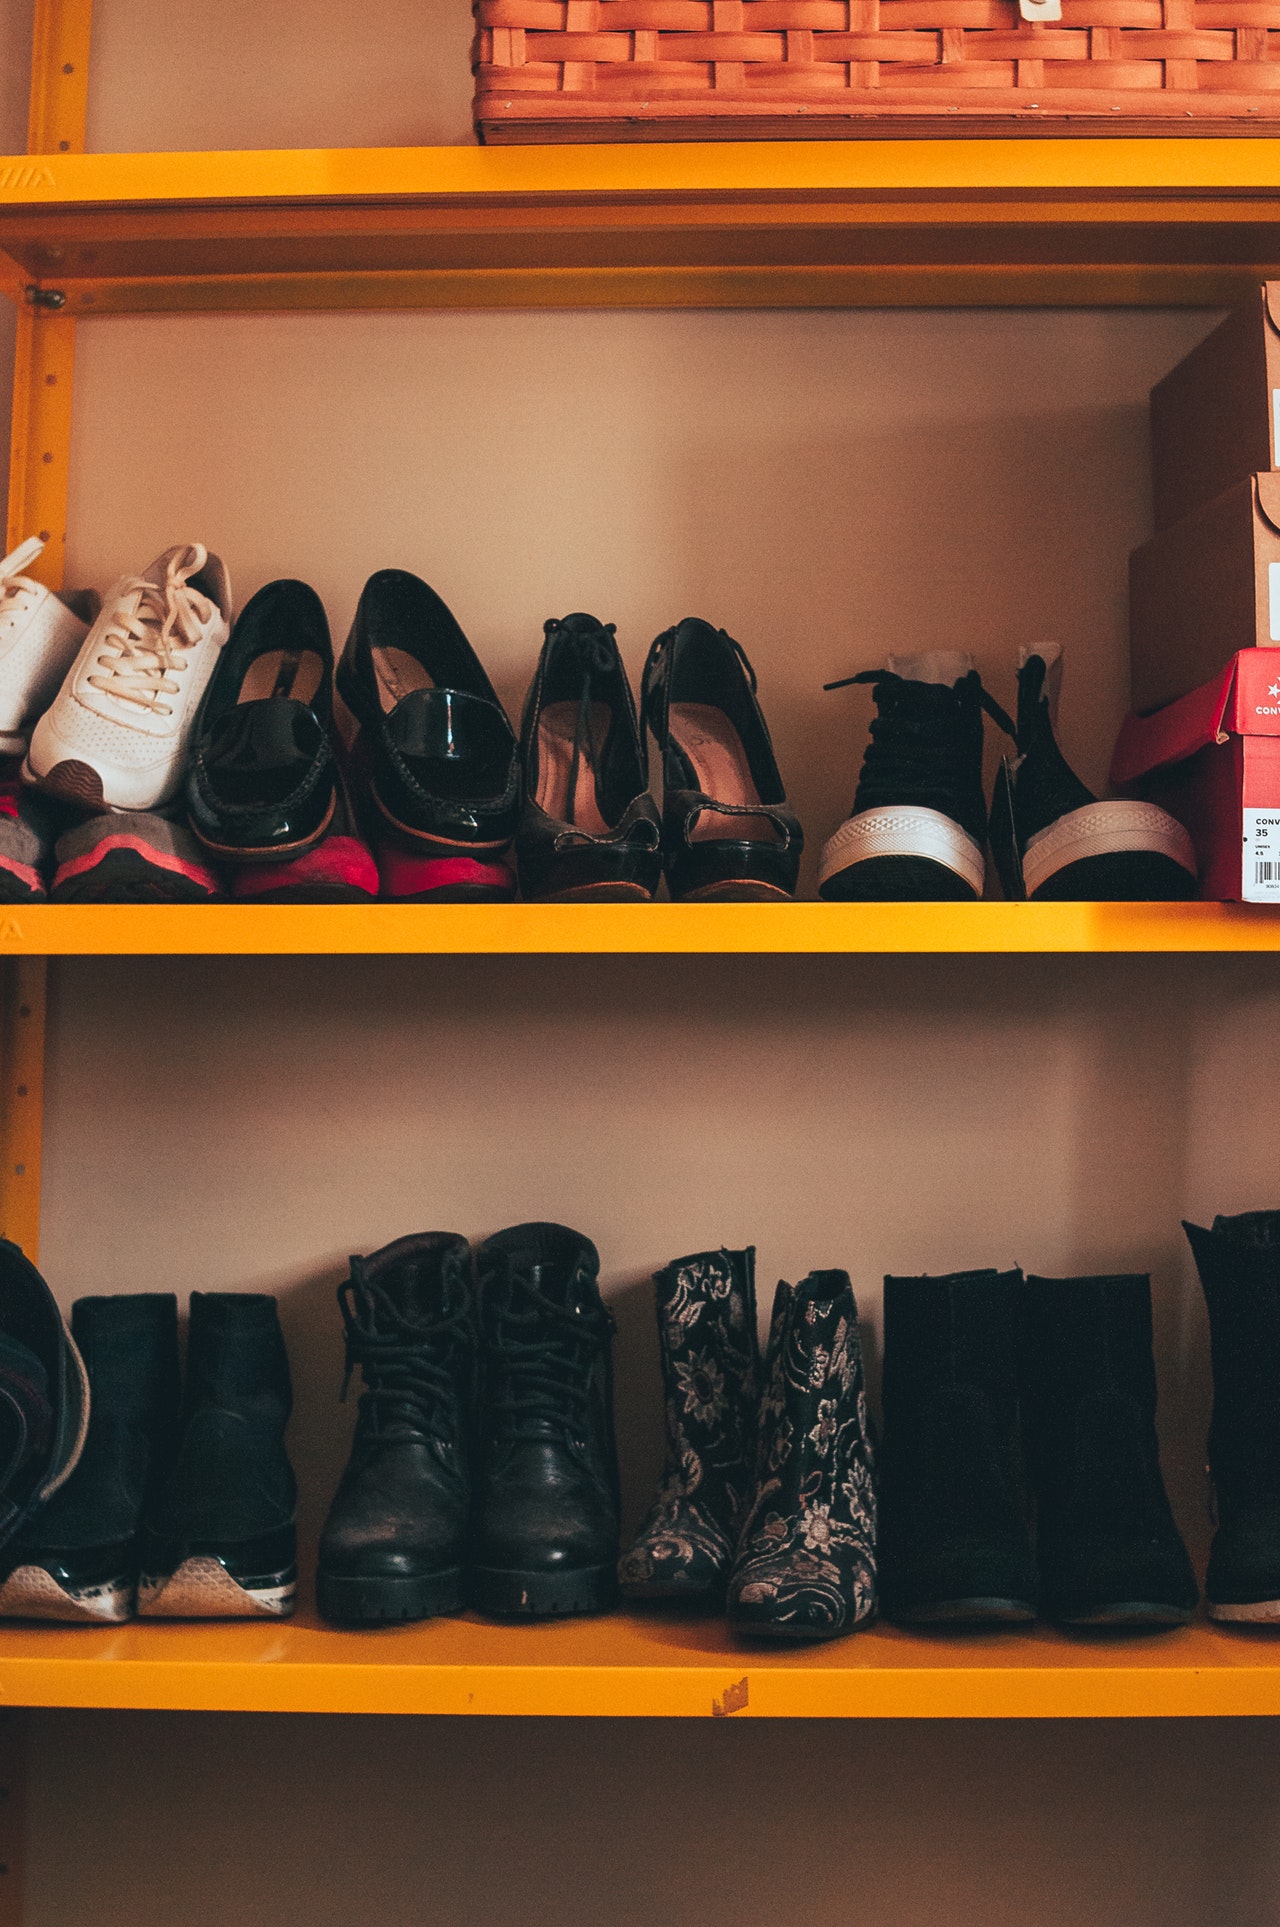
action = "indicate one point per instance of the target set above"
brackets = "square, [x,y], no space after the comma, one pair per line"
[806,1564]
[710,1375]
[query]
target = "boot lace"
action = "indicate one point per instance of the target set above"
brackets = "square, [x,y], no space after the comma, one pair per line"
[915,744]
[17,589]
[539,1362]
[409,1365]
[146,634]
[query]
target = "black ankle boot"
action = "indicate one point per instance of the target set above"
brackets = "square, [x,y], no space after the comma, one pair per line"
[806,1563]
[709,1348]
[394,1544]
[545,1527]
[954,1542]
[1108,1549]
[78,1558]
[1239,1265]
[219,1539]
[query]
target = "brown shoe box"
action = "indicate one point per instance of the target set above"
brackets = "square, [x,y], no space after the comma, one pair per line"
[1202,590]
[1214,416]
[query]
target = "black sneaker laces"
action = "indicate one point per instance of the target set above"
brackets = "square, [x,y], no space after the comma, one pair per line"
[916,746]
[539,1360]
[409,1365]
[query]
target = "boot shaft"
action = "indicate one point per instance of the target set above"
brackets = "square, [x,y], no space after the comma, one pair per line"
[236,1355]
[709,1350]
[959,1329]
[129,1344]
[1238,1260]
[813,1412]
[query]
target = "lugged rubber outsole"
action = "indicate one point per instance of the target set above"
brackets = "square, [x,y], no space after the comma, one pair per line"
[366,1600]
[542,1595]
[32,1592]
[203,1588]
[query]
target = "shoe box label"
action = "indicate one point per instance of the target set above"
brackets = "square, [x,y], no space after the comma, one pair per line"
[1260,877]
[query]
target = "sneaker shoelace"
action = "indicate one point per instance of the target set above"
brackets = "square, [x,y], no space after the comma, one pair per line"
[918,744]
[539,1357]
[17,589]
[409,1365]
[148,630]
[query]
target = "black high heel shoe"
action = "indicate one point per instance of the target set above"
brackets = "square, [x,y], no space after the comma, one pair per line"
[728,831]
[590,828]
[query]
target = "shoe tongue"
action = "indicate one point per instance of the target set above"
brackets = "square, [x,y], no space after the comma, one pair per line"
[415,1286]
[1260,1230]
[547,1255]
[944,666]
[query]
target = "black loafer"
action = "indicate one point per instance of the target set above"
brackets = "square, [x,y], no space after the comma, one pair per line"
[727,830]
[262,784]
[590,829]
[436,755]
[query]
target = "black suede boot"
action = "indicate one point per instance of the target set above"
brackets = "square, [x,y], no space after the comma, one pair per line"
[1239,1265]
[78,1559]
[955,1546]
[219,1539]
[806,1563]
[545,1525]
[710,1353]
[394,1544]
[1108,1549]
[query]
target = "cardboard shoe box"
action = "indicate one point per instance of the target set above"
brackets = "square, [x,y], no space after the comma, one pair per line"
[1216,417]
[1203,590]
[1213,761]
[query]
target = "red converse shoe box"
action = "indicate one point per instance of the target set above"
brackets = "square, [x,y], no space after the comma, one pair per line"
[1215,419]
[1213,761]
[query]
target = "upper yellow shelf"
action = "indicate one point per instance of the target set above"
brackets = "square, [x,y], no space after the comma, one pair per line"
[715,929]
[719,224]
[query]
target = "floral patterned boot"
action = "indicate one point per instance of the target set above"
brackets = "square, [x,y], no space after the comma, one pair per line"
[806,1565]
[710,1373]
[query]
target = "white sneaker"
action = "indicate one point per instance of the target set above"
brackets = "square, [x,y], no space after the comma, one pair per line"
[40,634]
[117,736]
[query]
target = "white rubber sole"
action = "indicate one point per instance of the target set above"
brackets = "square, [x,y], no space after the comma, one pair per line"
[1260,1612]
[32,1593]
[1105,829]
[907,829]
[202,1588]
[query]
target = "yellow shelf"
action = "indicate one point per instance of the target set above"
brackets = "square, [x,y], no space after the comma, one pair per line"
[1139,221]
[633,1665]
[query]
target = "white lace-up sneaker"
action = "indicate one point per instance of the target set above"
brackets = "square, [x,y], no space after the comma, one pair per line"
[117,736]
[40,633]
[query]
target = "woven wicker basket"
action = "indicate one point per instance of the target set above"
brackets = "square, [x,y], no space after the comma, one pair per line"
[573,70]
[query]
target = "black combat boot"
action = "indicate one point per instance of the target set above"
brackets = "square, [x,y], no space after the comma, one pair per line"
[1108,1549]
[545,1527]
[394,1544]
[710,1354]
[954,1541]
[78,1558]
[1239,1264]
[806,1564]
[219,1539]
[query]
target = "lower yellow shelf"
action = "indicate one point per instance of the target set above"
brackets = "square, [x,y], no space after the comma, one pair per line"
[635,1665]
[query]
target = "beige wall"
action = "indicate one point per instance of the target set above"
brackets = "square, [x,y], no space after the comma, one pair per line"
[828,486]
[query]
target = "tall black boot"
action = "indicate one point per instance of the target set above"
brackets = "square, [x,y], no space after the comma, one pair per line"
[219,1539]
[1109,1551]
[545,1526]
[709,1347]
[394,1544]
[78,1559]
[1239,1265]
[955,1546]
[806,1563]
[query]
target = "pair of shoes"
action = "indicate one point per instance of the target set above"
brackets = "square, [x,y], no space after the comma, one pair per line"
[180,1507]
[767,1503]
[484,1467]
[919,826]
[972,1360]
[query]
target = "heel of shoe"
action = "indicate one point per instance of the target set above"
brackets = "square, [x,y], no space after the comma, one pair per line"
[543,1595]
[368,1600]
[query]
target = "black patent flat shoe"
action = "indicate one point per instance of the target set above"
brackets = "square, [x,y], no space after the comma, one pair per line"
[727,829]
[262,785]
[436,757]
[590,829]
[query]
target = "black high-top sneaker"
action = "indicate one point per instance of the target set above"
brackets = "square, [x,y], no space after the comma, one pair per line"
[1108,1549]
[806,1563]
[918,827]
[78,1558]
[394,1544]
[44,1393]
[545,1522]
[219,1539]
[710,1354]
[1239,1265]
[954,1542]
[1050,836]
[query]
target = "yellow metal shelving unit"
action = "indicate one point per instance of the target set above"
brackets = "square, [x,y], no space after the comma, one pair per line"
[1050,222]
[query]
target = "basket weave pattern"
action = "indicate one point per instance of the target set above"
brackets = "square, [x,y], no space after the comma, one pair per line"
[630,61]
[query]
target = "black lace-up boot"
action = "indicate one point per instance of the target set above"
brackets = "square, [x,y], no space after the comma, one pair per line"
[954,1542]
[78,1558]
[1108,1549]
[709,1348]
[545,1526]
[918,828]
[1239,1265]
[219,1539]
[394,1544]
